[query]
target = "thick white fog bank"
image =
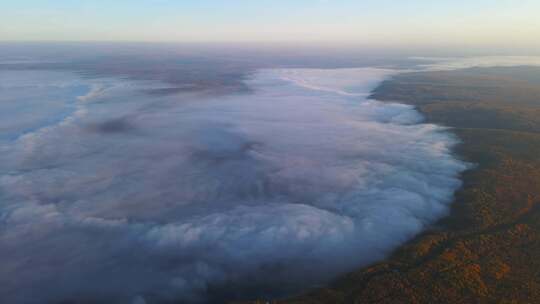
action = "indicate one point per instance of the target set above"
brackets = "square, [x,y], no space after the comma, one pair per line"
[115,195]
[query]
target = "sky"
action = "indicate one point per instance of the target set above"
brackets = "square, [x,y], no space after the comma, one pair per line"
[383,22]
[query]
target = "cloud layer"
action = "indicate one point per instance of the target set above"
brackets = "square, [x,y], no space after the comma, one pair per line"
[120,196]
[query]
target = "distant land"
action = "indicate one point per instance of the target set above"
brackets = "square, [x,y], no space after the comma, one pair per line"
[487,250]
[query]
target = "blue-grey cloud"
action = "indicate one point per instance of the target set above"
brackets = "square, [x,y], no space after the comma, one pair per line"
[280,189]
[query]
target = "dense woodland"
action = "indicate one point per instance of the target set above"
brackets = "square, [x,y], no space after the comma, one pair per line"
[487,249]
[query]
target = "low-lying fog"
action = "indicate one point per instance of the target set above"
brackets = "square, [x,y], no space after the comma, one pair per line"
[111,193]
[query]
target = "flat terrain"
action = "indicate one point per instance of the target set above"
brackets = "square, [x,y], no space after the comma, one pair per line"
[487,250]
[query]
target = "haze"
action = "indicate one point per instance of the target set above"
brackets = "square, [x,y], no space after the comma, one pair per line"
[479,24]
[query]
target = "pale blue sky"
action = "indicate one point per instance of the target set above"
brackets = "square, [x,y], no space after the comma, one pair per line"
[382,22]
